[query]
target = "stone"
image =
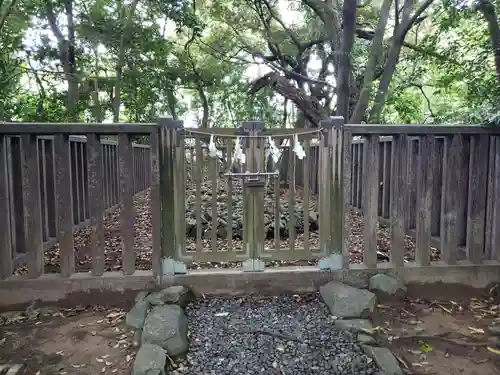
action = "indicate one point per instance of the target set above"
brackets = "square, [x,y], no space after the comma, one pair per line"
[354,325]
[384,358]
[178,294]
[141,296]
[387,285]
[166,326]
[494,329]
[363,338]
[150,360]
[136,316]
[345,301]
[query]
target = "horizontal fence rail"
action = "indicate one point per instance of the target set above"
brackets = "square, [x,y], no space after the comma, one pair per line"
[46,153]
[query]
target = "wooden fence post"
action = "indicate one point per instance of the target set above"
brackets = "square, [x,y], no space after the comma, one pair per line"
[332,195]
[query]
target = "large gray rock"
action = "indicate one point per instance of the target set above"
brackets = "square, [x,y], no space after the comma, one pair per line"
[150,360]
[387,286]
[384,358]
[136,316]
[346,301]
[355,325]
[178,294]
[167,327]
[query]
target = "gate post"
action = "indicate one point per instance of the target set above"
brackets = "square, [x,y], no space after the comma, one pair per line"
[253,198]
[331,195]
[172,196]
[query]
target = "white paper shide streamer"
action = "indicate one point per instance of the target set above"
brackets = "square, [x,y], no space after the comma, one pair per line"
[238,152]
[212,149]
[297,148]
[273,150]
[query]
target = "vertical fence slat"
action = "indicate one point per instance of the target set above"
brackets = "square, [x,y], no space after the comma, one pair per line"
[94,165]
[198,178]
[229,189]
[155,200]
[370,200]
[494,232]
[125,157]
[306,173]
[291,194]
[32,206]
[424,199]
[5,235]
[399,196]
[212,170]
[64,204]
[476,210]
[347,182]
[51,189]
[42,165]
[451,174]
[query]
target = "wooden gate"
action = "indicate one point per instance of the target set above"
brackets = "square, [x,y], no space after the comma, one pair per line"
[219,208]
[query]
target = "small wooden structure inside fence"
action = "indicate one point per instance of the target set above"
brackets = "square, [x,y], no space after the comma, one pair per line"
[440,184]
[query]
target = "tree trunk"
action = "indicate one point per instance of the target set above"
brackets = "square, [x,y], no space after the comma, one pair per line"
[490,15]
[393,58]
[126,21]
[348,34]
[371,65]
[66,54]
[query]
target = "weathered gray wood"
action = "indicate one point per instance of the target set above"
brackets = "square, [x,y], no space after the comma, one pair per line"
[449,221]
[386,180]
[32,206]
[416,129]
[347,187]
[126,163]
[476,210]
[399,198]
[155,201]
[437,185]
[5,234]
[494,202]
[64,205]
[94,165]
[370,200]
[424,199]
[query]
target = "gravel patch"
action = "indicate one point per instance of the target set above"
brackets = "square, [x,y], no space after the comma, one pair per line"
[292,335]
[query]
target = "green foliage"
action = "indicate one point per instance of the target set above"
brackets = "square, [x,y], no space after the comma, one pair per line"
[186,57]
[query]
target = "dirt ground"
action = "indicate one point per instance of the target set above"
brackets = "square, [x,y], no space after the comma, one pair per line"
[442,337]
[428,338]
[66,341]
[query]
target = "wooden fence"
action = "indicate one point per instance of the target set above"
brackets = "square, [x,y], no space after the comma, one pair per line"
[78,183]
[442,180]
[465,166]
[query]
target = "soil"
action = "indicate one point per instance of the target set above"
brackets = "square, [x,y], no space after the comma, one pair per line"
[428,337]
[441,337]
[66,341]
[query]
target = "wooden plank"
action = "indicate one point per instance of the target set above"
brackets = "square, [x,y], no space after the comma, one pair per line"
[229,189]
[346,173]
[323,208]
[198,172]
[370,200]
[6,266]
[291,197]
[212,171]
[126,173]
[32,206]
[495,226]
[155,201]
[449,220]
[64,204]
[306,173]
[424,200]
[476,210]
[94,165]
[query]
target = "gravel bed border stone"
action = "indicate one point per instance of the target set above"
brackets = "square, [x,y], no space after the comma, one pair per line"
[161,326]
